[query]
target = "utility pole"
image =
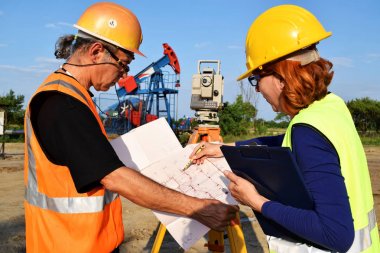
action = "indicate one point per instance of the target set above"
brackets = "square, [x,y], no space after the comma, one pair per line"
[3,120]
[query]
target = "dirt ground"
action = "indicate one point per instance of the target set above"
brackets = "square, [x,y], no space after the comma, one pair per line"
[140,224]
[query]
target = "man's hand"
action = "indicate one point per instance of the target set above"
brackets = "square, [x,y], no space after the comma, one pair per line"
[215,214]
[147,193]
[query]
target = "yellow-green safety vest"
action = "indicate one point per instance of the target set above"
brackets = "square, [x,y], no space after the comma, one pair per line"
[331,117]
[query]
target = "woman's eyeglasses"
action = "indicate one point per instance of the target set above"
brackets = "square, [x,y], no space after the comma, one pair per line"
[254,79]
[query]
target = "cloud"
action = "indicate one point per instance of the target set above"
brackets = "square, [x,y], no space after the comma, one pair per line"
[372,57]
[44,65]
[3,45]
[233,47]
[1,13]
[202,44]
[58,25]
[30,69]
[342,61]
[48,60]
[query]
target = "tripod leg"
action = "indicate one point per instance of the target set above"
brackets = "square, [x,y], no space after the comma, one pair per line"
[159,238]
[236,236]
[193,137]
[215,241]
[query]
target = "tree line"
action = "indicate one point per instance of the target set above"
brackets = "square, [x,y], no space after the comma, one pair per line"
[13,104]
[237,118]
[366,114]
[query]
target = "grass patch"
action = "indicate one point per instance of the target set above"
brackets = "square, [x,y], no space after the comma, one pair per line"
[371,140]
[269,132]
[12,138]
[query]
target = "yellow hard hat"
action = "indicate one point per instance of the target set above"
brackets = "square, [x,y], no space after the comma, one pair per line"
[112,23]
[279,31]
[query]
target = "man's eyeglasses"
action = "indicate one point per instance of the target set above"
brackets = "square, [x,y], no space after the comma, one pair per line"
[121,64]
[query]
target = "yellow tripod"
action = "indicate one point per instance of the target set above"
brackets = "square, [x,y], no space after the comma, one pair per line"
[211,133]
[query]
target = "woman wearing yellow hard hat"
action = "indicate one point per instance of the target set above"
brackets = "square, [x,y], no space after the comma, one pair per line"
[285,67]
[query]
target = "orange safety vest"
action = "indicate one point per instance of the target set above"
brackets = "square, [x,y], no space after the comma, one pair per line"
[57,217]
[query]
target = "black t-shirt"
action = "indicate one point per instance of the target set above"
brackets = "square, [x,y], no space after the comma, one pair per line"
[70,135]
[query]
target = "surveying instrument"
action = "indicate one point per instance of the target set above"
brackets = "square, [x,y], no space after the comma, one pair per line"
[207,101]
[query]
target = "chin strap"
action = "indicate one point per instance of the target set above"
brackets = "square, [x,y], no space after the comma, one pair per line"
[91,64]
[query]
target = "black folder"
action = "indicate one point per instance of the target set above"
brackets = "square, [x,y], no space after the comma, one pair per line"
[276,176]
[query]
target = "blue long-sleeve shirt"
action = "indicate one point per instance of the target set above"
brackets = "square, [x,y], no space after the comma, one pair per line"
[330,223]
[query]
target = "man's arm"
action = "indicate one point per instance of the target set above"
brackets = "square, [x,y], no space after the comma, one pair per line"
[92,161]
[147,193]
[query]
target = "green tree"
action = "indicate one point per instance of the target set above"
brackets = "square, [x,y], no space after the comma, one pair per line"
[365,113]
[13,105]
[282,117]
[237,118]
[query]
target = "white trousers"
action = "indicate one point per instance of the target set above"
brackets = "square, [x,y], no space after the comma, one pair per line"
[278,245]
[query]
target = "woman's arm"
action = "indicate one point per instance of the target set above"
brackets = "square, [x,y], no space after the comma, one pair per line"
[330,223]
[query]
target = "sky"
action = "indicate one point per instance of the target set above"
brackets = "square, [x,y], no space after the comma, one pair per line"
[196,30]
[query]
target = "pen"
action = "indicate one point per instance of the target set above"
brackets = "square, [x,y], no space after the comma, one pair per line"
[191,160]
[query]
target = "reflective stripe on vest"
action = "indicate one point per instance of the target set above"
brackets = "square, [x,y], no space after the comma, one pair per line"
[362,239]
[67,85]
[62,204]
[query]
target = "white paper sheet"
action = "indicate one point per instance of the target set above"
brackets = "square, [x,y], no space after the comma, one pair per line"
[155,151]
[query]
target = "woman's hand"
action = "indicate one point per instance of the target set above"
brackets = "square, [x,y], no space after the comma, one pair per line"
[207,150]
[245,192]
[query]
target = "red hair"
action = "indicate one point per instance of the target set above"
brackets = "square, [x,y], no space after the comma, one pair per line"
[302,84]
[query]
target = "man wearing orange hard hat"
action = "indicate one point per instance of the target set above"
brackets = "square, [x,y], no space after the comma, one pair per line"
[284,65]
[73,177]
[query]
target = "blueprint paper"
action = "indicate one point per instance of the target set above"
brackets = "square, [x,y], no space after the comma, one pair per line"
[155,151]
[146,144]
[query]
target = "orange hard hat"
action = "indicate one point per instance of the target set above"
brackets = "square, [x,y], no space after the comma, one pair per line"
[112,23]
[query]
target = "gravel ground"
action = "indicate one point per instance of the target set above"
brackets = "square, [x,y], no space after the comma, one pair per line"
[140,224]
